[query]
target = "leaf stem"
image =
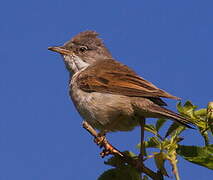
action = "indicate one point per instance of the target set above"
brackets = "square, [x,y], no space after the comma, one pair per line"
[173,160]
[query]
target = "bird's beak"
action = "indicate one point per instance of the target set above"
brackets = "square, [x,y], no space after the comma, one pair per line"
[60,49]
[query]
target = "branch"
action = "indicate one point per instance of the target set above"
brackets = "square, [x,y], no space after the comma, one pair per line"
[137,164]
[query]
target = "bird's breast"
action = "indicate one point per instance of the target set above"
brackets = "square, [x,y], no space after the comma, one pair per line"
[102,109]
[84,102]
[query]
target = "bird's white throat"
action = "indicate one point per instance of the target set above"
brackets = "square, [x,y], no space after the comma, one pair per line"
[74,63]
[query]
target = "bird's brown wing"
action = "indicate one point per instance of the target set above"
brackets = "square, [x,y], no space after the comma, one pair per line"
[110,76]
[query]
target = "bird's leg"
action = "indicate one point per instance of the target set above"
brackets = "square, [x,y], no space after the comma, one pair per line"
[101,140]
[142,148]
[101,136]
[102,133]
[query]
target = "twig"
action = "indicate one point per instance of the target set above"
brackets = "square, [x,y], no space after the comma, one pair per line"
[131,161]
[142,168]
[142,150]
[142,124]
[173,161]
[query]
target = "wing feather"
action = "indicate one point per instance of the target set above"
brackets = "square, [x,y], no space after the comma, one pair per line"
[118,79]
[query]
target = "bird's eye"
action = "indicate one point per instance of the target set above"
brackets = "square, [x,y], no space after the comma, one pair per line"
[83,48]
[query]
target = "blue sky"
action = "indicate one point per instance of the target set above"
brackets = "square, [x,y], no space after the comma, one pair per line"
[41,138]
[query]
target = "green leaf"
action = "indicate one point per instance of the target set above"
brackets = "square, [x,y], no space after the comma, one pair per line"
[153,142]
[159,161]
[172,128]
[166,143]
[188,108]
[179,107]
[145,177]
[138,146]
[117,161]
[210,110]
[124,173]
[160,122]
[130,154]
[196,116]
[210,116]
[202,156]
[200,112]
[151,128]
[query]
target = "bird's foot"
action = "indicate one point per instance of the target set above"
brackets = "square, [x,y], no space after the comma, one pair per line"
[101,141]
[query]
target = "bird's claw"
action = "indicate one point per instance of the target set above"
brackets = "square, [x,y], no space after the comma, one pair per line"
[108,148]
[99,140]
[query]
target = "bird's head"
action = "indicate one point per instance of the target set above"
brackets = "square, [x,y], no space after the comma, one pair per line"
[82,50]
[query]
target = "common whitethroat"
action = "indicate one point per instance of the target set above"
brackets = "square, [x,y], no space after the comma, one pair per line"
[109,95]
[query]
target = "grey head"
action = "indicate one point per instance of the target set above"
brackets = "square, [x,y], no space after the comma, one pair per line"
[82,50]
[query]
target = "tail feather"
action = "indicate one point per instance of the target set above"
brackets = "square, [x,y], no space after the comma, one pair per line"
[172,115]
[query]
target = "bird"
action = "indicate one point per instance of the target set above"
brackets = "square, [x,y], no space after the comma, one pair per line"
[109,95]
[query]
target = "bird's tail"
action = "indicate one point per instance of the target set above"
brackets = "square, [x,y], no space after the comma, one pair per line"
[173,116]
